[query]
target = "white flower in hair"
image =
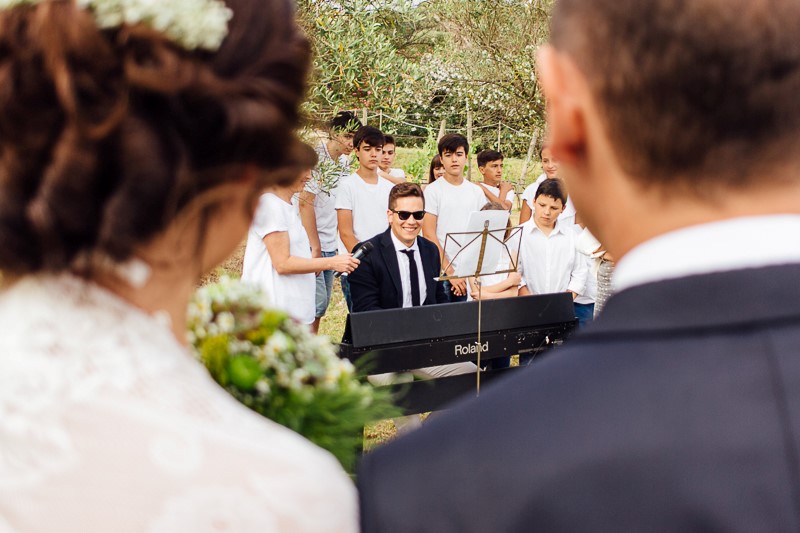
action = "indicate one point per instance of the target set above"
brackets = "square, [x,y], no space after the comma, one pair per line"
[191,24]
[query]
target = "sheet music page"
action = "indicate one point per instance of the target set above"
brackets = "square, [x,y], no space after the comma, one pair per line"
[466,248]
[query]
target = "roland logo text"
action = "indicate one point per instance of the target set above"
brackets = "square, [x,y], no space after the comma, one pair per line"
[472,348]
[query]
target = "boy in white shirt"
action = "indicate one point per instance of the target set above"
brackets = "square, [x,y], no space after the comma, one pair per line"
[385,170]
[318,201]
[549,261]
[448,201]
[362,197]
[490,165]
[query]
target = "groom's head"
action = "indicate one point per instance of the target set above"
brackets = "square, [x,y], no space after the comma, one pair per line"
[693,100]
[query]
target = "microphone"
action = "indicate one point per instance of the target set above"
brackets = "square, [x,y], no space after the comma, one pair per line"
[363,250]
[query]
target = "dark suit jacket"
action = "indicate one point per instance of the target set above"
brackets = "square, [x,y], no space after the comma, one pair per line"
[375,284]
[677,410]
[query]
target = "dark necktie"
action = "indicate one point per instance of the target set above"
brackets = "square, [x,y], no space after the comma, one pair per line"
[414,275]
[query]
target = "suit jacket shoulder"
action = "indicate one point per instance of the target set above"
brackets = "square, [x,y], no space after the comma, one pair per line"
[670,413]
[374,284]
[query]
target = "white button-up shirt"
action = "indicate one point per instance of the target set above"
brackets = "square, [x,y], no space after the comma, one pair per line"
[405,271]
[551,263]
[739,243]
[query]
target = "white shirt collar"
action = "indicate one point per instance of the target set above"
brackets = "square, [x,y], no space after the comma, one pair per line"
[748,242]
[559,228]
[399,246]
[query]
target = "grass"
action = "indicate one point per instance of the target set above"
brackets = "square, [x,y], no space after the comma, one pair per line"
[332,323]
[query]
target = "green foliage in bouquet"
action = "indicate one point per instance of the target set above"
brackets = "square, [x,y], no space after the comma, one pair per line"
[278,368]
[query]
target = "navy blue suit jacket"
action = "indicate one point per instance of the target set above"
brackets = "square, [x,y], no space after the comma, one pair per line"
[677,410]
[376,284]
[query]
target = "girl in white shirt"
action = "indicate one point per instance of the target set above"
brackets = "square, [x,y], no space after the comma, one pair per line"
[278,252]
[550,168]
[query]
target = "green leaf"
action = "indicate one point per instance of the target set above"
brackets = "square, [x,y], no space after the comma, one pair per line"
[214,354]
[244,372]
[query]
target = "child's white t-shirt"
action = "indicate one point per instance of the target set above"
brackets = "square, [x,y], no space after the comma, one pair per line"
[293,293]
[368,202]
[496,192]
[452,204]
[325,200]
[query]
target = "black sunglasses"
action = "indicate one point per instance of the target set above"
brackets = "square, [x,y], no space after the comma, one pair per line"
[403,215]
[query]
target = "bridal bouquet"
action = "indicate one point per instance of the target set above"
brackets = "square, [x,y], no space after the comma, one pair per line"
[278,368]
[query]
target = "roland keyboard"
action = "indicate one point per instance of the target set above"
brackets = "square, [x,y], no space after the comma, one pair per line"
[398,340]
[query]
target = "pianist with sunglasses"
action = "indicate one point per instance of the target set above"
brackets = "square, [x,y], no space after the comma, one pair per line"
[401,269]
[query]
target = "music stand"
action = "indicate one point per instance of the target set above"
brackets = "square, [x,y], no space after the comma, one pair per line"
[477,253]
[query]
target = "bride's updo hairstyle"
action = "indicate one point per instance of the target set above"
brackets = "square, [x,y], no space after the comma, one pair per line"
[106,135]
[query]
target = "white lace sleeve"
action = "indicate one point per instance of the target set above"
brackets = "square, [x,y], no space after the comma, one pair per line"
[107,424]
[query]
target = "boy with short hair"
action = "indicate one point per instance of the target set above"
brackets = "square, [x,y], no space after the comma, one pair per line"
[385,170]
[490,165]
[549,261]
[317,202]
[363,196]
[448,201]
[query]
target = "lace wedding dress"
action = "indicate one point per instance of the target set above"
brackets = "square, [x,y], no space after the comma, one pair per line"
[108,425]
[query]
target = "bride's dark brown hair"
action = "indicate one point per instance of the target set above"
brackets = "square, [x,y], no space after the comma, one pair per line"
[106,135]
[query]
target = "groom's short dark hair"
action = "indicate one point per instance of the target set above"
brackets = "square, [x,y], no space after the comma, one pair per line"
[694,93]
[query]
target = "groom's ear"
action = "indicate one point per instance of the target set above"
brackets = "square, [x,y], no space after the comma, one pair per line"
[568,101]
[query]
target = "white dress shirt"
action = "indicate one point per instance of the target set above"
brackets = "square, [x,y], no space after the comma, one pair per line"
[551,263]
[747,242]
[405,271]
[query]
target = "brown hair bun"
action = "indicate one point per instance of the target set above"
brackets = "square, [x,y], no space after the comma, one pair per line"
[106,135]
